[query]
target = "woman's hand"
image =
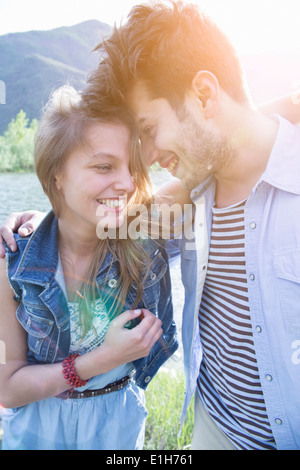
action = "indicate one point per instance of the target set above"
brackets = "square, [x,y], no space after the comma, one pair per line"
[125,345]
[23,222]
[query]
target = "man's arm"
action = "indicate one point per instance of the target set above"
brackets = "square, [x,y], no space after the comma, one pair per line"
[287,106]
[172,192]
[26,222]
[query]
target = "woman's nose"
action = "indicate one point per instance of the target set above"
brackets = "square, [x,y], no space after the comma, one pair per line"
[125,182]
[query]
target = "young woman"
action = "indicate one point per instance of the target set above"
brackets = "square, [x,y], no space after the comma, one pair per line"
[86,323]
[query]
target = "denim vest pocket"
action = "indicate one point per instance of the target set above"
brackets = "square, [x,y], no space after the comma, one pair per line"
[37,326]
[287,269]
[163,349]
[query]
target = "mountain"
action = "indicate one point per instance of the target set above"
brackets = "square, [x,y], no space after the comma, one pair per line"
[34,63]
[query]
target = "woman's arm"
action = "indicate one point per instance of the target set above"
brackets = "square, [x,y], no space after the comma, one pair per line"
[22,383]
[287,106]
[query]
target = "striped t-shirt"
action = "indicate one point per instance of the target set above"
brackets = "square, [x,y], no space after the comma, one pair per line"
[229,382]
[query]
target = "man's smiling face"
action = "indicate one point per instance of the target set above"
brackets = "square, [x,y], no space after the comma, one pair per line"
[183,142]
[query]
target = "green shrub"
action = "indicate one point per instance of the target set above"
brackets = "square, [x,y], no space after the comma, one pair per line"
[17,143]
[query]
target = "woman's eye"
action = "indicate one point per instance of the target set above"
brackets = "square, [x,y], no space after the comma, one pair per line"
[103,167]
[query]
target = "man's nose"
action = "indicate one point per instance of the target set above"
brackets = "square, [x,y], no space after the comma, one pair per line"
[150,153]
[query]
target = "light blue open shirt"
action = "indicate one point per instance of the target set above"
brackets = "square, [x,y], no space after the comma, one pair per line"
[272,250]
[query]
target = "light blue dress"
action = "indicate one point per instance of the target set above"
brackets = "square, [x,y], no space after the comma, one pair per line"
[115,421]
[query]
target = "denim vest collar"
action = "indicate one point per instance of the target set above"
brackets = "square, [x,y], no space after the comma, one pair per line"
[39,261]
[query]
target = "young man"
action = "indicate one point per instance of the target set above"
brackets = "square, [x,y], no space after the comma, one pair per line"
[241,319]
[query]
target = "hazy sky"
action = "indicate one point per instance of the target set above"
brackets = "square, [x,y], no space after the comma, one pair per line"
[252,25]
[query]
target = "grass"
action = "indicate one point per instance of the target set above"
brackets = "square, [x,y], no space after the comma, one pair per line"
[164,399]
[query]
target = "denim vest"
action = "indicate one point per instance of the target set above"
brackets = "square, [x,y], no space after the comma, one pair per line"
[43,310]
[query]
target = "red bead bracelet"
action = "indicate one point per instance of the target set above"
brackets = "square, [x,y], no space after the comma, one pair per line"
[70,373]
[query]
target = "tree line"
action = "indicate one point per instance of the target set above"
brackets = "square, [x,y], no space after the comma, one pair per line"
[17,143]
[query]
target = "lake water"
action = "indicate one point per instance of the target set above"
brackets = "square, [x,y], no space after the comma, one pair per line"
[22,191]
[19,192]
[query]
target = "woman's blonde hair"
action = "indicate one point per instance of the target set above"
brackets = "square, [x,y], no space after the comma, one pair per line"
[62,130]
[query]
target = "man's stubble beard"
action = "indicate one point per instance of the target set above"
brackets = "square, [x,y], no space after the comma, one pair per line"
[202,155]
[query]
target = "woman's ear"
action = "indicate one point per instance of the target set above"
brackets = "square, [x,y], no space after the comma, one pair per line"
[57,183]
[206,86]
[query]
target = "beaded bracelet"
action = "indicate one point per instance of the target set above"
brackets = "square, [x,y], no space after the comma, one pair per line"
[70,373]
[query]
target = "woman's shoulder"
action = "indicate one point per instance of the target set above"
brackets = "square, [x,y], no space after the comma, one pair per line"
[42,232]
[13,259]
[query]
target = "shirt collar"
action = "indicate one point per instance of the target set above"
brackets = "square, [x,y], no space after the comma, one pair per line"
[283,168]
[199,191]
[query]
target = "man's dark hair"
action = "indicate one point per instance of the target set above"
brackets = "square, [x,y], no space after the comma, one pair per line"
[165,46]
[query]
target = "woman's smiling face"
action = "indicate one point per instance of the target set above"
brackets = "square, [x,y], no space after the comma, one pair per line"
[95,182]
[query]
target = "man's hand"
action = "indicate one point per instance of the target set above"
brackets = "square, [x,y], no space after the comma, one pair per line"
[23,222]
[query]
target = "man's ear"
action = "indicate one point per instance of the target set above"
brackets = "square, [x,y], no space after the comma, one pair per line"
[206,86]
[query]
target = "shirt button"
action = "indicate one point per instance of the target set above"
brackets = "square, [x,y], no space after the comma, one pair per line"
[278,421]
[152,276]
[269,378]
[147,379]
[252,277]
[258,329]
[112,283]
[253,225]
